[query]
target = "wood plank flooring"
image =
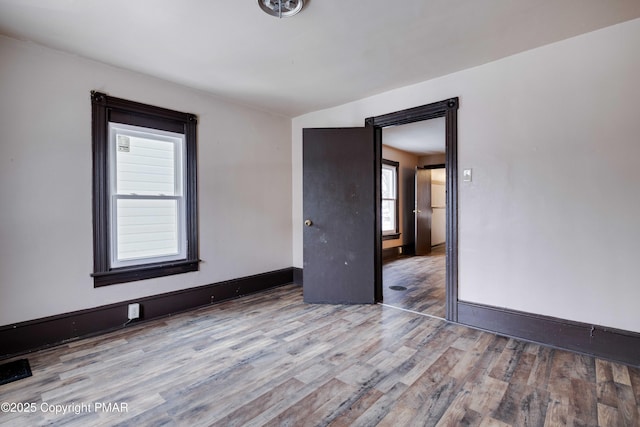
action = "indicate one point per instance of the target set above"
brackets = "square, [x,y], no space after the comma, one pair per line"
[424,278]
[269,359]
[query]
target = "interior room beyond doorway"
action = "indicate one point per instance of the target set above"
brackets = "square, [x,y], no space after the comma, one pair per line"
[414,262]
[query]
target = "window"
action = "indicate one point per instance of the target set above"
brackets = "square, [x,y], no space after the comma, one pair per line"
[390,199]
[144,191]
[146,195]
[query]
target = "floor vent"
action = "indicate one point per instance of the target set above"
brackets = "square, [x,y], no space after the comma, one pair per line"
[14,371]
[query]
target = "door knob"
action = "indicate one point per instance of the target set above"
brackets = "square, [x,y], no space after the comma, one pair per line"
[308,223]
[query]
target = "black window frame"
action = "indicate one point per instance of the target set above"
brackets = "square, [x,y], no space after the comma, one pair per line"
[106,109]
[394,234]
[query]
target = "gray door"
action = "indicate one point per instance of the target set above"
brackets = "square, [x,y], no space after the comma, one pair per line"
[340,192]
[423,211]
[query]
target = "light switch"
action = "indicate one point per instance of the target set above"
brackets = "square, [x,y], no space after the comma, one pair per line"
[466,175]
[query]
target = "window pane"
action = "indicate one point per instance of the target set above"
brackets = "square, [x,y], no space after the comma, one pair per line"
[388,183]
[388,215]
[145,166]
[147,228]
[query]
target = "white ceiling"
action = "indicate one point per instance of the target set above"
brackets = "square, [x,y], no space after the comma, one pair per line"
[331,53]
[422,138]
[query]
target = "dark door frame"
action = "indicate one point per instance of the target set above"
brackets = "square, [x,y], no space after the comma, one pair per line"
[449,110]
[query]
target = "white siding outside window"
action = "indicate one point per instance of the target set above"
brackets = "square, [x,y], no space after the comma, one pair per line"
[147,212]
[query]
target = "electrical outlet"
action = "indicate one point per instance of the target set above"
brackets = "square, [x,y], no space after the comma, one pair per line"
[134,311]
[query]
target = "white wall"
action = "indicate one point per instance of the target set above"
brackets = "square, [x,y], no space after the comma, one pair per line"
[541,228]
[244,172]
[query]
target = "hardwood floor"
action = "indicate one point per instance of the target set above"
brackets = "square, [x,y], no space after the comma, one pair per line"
[424,280]
[269,359]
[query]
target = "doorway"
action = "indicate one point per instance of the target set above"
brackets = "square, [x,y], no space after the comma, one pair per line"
[413,265]
[448,111]
[342,239]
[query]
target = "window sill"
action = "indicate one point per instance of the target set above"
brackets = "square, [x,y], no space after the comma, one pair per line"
[391,236]
[131,274]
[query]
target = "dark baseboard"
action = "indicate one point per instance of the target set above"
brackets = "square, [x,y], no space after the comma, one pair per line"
[593,340]
[297,276]
[391,253]
[409,249]
[36,334]
[606,343]
[396,251]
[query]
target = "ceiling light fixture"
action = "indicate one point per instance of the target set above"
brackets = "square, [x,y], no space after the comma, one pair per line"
[281,8]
